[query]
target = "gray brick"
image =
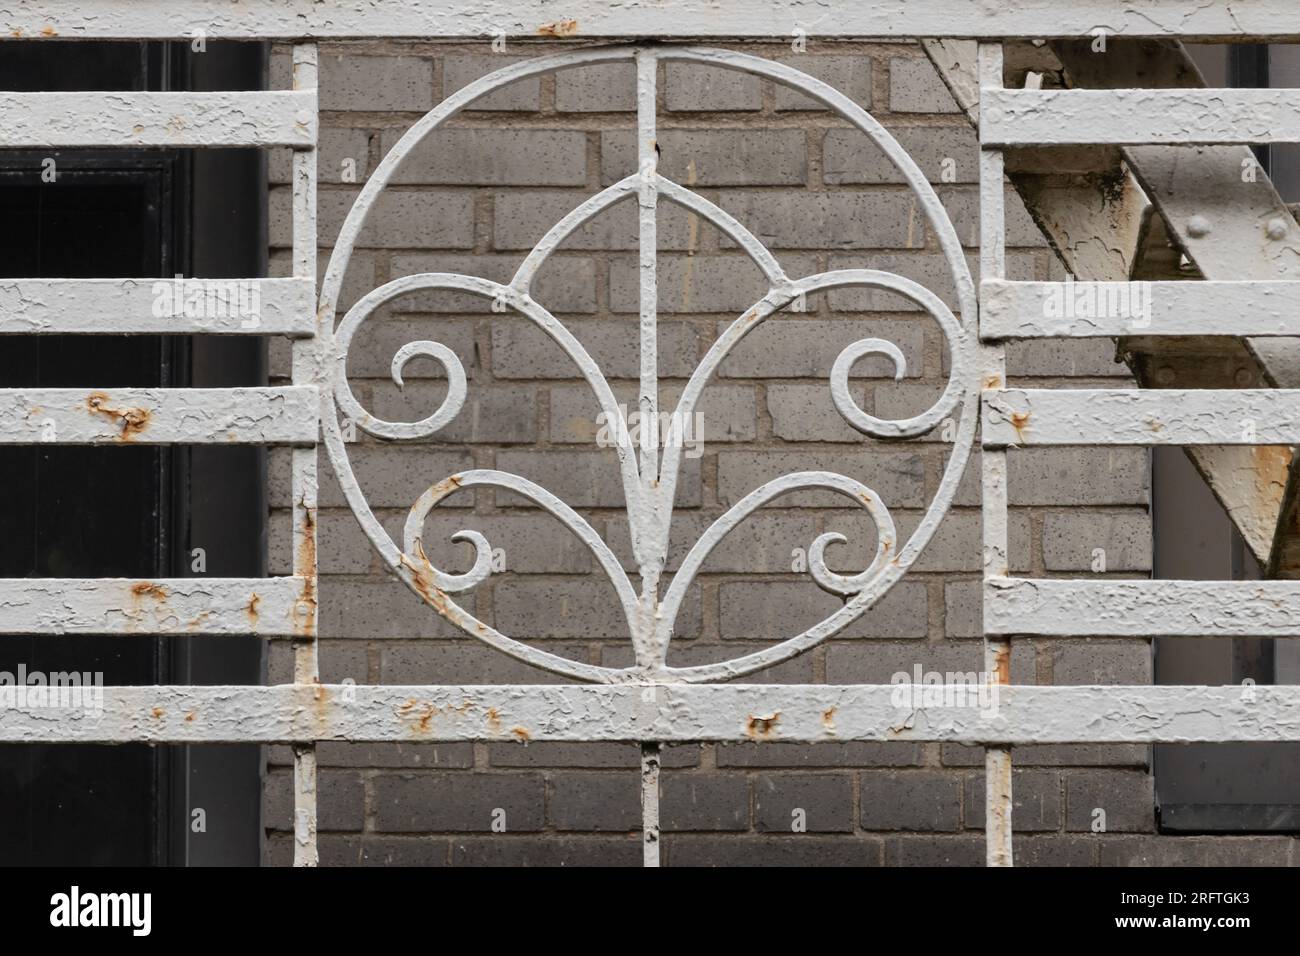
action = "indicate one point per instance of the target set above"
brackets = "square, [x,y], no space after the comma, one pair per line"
[522,350]
[1215,851]
[931,851]
[963,609]
[458,802]
[533,544]
[565,284]
[444,756]
[390,476]
[855,754]
[464,662]
[399,219]
[495,157]
[599,88]
[703,801]
[910,800]
[585,479]
[378,609]
[915,87]
[380,337]
[963,206]
[1053,850]
[1054,755]
[808,348]
[594,801]
[339,661]
[459,70]
[692,87]
[342,547]
[549,850]
[1077,476]
[1126,796]
[849,157]
[879,219]
[806,412]
[897,478]
[849,74]
[585,609]
[1035,801]
[798,670]
[878,662]
[760,544]
[794,850]
[772,609]
[340,800]
[728,284]
[350,81]
[956,546]
[334,147]
[1065,358]
[544,753]
[927,268]
[522,217]
[726,413]
[500,415]
[1071,538]
[338,849]
[714,157]
[1101,662]
[820,803]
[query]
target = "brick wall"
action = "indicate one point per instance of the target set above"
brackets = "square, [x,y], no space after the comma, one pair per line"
[475,199]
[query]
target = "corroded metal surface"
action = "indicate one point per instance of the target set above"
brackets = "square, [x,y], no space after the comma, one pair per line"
[678,713]
[1117,416]
[158,416]
[274,118]
[421,19]
[1109,608]
[157,307]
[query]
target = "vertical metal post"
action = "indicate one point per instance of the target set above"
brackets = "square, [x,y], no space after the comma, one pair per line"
[650,561]
[307,370]
[997,652]
[650,804]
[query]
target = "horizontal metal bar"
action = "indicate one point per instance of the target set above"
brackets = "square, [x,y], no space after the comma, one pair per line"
[261,118]
[159,416]
[157,307]
[678,713]
[1141,608]
[265,606]
[1141,417]
[425,19]
[1136,117]
[1033,310]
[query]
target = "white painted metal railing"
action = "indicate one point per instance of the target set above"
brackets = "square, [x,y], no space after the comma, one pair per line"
[647,702]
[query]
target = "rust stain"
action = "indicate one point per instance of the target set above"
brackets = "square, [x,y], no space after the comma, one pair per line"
[1002,663]
[253,615]
[304,609]
[148,588]
[992,381]
[1019,421]
[761,728]
[158,712]
[189,717]
[521,734]
[446,486]
[130,421]
[560,28]
[16,32]
[494,720]
[194,623]
[828,718]
[49,31]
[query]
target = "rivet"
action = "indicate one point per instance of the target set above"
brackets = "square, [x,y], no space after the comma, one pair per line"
[1276,229]
[1243,377]
[1198,226]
